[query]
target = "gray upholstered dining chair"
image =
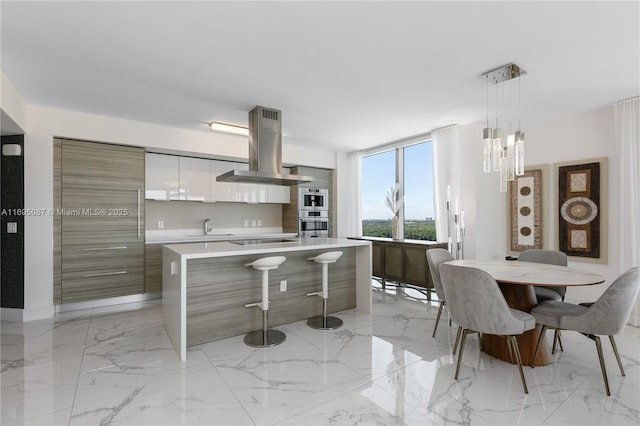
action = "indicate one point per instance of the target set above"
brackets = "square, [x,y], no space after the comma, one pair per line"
[476,304]
[434,258]
[605,317]
[550,257]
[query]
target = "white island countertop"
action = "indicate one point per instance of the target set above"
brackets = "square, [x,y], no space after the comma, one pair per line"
[220,249]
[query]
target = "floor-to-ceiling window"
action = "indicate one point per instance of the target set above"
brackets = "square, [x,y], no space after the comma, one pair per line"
[409,168]
[418,192]
[378,175]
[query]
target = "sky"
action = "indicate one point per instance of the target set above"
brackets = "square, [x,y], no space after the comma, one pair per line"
[378,175]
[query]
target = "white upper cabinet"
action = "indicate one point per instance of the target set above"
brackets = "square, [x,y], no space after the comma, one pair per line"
[222,191]
[260,193]
[162,178]
[172,177]
[194,179]
[279,194]
[251,192]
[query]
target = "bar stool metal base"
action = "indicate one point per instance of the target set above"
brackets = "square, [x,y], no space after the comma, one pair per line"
[324,323]
[257,338]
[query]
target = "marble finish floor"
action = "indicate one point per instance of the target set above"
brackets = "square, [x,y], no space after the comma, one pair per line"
[116,366]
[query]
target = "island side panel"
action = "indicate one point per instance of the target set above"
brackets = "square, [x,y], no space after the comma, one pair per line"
[174,300]
[219,287]
[363,277]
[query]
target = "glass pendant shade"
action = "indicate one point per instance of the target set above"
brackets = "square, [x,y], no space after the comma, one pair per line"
[487,134]
[497,148]
[503,170]
[519,147]
[511,146]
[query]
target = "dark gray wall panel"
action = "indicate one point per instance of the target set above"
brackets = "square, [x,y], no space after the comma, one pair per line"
[12,245]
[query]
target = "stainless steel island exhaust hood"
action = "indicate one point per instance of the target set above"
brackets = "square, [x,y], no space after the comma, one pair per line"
[265,152]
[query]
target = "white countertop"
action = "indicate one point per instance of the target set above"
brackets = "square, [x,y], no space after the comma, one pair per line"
[221,249]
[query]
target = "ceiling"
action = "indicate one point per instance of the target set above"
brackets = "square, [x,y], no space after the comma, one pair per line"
[346,75]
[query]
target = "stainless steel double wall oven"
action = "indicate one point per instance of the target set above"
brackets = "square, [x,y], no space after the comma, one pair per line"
[313,212]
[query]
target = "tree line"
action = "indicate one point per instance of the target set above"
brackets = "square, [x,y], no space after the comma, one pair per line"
[413,230]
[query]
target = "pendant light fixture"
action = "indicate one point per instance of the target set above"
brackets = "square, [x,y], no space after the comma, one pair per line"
[506,157]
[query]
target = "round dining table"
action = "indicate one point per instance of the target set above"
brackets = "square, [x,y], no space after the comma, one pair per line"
[516,281]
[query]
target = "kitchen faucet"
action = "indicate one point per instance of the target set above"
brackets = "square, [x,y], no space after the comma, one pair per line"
[206,226]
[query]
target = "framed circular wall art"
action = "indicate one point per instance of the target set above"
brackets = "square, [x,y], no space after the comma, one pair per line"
[582,209]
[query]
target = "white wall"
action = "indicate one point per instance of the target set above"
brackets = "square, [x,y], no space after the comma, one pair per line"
[582,136]
[481,200]
[14,109]
[341,196]
[45,123]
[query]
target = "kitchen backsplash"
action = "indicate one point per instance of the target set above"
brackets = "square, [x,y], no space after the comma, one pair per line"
[191,215]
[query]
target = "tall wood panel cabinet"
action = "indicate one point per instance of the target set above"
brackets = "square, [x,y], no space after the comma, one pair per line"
[98,220]
[322,179]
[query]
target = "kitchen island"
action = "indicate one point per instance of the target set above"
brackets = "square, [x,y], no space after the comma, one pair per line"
[206,285]
[156,239]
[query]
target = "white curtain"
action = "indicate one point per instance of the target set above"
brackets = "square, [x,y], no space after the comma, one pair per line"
[627,136]
[445,175]
[354,223]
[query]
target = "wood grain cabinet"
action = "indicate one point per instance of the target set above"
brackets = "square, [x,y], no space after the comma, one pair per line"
[402,261]
[153,268]
[99,220]
[322,179]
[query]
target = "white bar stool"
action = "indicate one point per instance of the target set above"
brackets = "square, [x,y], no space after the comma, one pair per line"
[266,337]
[324,322]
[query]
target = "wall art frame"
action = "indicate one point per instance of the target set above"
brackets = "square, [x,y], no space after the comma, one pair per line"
[527,215]
[581,213]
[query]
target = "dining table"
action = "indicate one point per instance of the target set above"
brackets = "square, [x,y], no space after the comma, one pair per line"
[517,281]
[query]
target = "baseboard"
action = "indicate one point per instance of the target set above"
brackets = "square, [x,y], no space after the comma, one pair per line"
[101,303]
[31,314]
[44,312]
